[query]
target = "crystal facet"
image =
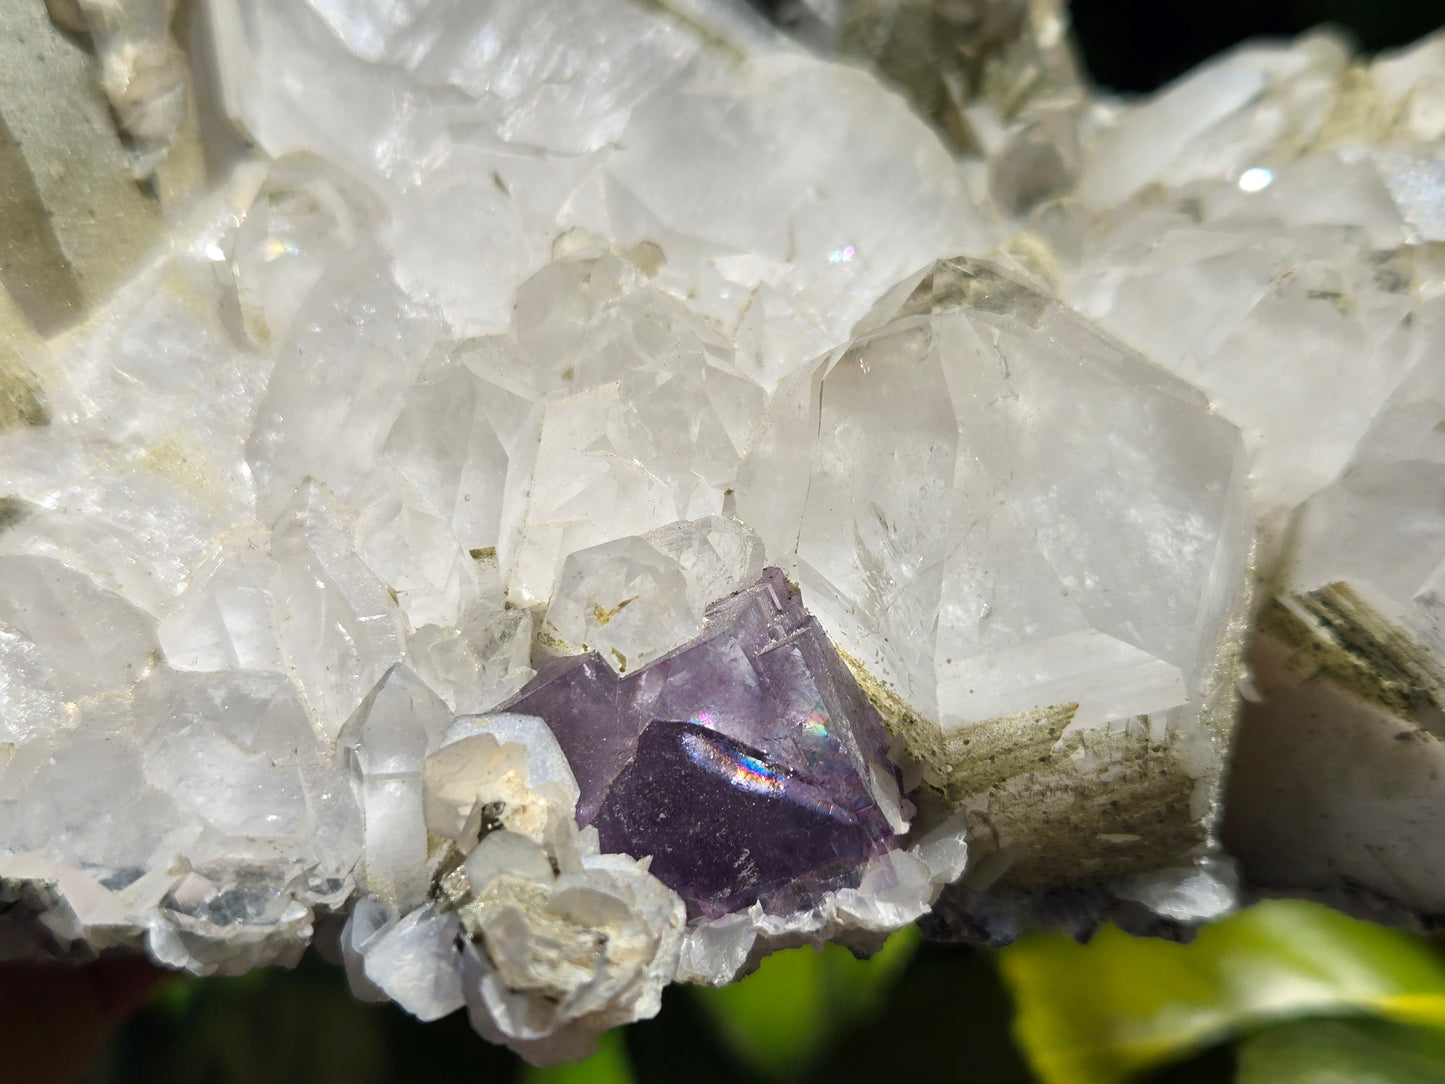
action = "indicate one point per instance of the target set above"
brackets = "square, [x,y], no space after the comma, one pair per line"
[1035,544]
[747,763]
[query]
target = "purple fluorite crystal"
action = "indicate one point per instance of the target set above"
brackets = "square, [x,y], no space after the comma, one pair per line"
[747,763]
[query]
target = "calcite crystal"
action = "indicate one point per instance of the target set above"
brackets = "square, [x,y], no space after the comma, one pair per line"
[545,941]
[747,762]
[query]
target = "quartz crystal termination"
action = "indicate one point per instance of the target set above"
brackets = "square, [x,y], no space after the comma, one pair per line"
[1034,546]
[1269,228]
[747,763]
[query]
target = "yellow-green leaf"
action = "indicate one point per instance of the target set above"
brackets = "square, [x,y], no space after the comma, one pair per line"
[1099,1013]
[783,1016]
[609,1064]
[1343,1052]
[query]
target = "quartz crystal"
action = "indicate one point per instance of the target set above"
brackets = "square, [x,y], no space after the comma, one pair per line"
[384,742]
[413,485]
[1298,318]
[1267,228]
[1034,605]
[1350,665]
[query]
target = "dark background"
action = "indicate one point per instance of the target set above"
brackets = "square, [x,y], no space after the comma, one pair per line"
[1137,45]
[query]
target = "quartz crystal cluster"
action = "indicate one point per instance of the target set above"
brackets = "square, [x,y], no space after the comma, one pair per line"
[960,487]
[1270,229]
[548,499]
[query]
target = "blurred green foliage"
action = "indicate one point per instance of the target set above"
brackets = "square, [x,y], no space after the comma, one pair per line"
[1105,1012]
[783,1017]
[1343,1052]
[1283,993]
[805,1015]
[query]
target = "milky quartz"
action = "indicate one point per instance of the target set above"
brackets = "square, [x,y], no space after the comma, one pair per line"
[447,370]
[1351,670]
[1270,249]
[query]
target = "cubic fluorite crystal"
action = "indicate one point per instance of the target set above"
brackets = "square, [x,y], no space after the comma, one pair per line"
[747,763]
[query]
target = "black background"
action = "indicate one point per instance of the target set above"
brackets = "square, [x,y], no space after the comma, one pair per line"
[1137,45]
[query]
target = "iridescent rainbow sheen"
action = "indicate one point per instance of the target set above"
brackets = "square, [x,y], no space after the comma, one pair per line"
[743,771]
[816,720]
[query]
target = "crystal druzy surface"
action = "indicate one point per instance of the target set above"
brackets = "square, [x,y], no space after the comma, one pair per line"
[747,763]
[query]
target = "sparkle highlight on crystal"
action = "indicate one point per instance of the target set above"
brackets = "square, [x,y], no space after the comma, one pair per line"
[743,771]
[1256,179]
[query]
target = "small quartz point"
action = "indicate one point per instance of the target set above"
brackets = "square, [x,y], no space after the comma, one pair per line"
[384,743]
[747,763]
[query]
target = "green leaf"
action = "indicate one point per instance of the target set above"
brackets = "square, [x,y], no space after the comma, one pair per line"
[1343,1052]
[780,1019]
[608,1065]
[1099,1013]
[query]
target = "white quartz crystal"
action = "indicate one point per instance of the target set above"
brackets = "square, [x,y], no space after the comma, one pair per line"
[1274,262]
[1027,536]
[623,599]
[1351,668]
[384,743]
[634,599]
[1275,245]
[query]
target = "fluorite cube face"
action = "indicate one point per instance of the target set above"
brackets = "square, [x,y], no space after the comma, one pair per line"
[747,763]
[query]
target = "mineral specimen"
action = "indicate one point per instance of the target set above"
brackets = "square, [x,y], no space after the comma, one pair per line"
[747,763]
[1348,736]
[1268,229]
[544,940]
[504,346]
[74,221]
